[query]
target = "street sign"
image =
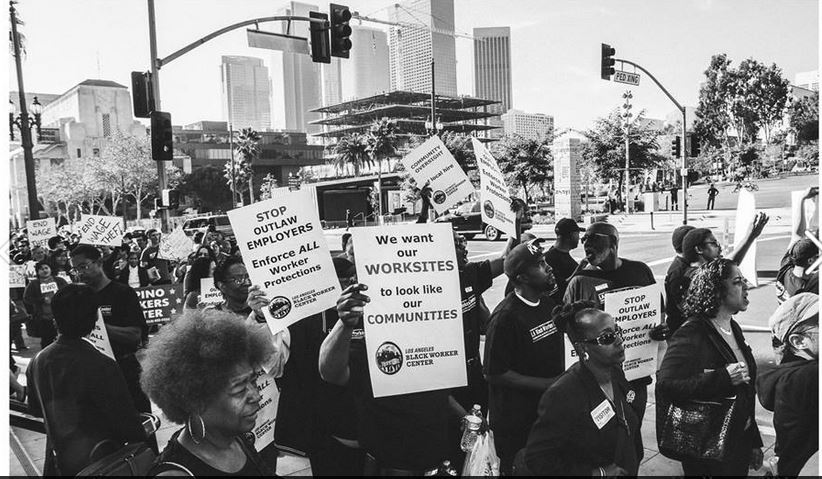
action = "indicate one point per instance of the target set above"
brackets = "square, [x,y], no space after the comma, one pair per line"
[276,41]
[625,77]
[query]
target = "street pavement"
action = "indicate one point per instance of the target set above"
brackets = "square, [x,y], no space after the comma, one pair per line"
[639,240]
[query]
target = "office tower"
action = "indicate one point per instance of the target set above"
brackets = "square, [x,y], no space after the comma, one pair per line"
[492,71]
[366,72]
[246,92]
[529,125]
[411,49]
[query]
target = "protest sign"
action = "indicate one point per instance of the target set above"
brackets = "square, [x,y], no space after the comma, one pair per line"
[267,414]
[432,163]
[285,251]
[413,325]
[161,302]
[209,294]
[17,276]
[745,213]
[99,336]
[496,202]
[175,246]
[810,214]
[40,231]
[637,311]
[101,230]
[50,287]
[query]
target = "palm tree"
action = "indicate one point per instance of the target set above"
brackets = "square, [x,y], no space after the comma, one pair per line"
[525,162]
[382,144]
[351,150]
[248,148]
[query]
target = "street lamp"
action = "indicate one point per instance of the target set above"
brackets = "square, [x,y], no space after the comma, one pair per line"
[14,119]
[433,127]
[626,115]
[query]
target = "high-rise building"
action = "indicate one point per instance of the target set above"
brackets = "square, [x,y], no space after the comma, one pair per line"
[809,80]
[492,71]
[246,92]
[412,49]
[366,72]
[528,125]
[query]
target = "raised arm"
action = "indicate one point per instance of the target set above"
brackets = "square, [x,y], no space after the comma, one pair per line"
[336,348]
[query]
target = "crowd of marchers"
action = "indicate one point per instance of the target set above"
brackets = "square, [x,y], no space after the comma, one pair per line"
[202,369]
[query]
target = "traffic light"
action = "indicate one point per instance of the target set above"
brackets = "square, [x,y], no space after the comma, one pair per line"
[676,147]
[695,150]
[141,94]
[170,199]
[320,47]
[162,139]
[607,68]
[340,30]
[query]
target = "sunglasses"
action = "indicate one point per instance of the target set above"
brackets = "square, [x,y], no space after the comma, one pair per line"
[591,236]
[607,338]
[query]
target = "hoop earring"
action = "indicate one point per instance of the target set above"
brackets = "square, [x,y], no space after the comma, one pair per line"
[189,429]
[584,358]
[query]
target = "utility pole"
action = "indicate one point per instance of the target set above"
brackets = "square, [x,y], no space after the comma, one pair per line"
[25,125]
[684,170]
[627,127]
[155,87]
[231,150]
[433,102]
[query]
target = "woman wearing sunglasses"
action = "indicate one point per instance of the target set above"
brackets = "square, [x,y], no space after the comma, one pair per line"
[709,360]
[588,420]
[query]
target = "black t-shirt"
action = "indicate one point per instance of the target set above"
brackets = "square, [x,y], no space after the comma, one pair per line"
[149,257]
[407,431]
[593,284]
[676,288]
[563,266]
[121,307]
[523,339]
[475,279]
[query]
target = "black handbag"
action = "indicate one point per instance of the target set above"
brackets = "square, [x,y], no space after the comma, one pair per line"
[130,460]
[696,430]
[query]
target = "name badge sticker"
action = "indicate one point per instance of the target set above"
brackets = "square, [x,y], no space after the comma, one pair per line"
[602,414]
[600,287]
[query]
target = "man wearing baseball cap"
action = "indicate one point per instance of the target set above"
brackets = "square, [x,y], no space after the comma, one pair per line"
[558,256]
[793,277]
[524,352]
[791,390]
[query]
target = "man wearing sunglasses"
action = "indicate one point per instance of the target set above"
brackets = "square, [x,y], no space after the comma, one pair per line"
[524,351]
[603,272]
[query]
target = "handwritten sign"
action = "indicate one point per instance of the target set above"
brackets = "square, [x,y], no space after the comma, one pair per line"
[745,213]
[17,276]
[284,248]
[175,246]
[432,162]
[40,231]
[99,337]
[637,311]
[209,294]
[496,203]
[101,230]
[414,321]
[161,303]
[46,288]
[267,415]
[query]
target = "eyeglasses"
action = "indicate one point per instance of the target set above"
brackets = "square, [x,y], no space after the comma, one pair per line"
[711,243]
[240,280]
[590,237]
[607,338]
[82,267]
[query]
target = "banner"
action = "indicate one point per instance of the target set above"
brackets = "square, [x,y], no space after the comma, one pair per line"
[101,230]
[413,323]
[175,246]
[267,415]
[496,202]
[17,276]
[40,231]
[432,162]
[745,213]
[209,294]
[99,336]
[161,303]
[285,252]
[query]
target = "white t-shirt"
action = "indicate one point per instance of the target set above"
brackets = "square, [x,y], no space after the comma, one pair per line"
[134,277]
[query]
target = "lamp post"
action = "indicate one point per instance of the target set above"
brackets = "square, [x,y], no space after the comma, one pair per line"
[24,122]
[626,115]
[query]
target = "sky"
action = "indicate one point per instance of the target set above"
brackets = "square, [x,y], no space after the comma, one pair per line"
[555,47]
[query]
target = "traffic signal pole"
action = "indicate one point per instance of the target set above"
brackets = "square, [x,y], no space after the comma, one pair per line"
[155,87]
[684,128]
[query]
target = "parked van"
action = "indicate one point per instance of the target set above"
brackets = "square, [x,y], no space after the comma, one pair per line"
[202,223]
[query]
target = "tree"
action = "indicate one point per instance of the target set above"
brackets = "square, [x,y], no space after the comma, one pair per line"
[804,118]
[382,144]
[127,160]
[351,151]
[241,176]
[713,113]
[606,147]
[525,162]
[248,149]
[207,185]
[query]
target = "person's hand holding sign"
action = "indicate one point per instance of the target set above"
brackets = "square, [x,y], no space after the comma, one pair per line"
[257,300]
[350,304]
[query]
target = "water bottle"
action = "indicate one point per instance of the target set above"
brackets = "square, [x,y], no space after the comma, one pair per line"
[447,470]
[471,432]
[770,466]
[476,410]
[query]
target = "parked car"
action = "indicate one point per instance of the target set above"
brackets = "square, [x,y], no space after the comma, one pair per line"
[467,220]
[202,223]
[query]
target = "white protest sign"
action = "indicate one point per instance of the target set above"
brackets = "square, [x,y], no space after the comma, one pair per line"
[101,230]
[267,414]
[413,324]
[99,337]
[811,213]
[745,213]
[40,231]
[432,162]
[46,288]
[637,311]
[209,294]
[496,202]
[175,246]
[17,276]
[285,252]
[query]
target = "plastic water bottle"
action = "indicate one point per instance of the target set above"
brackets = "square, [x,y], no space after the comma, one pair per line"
[770,466]
[471,432]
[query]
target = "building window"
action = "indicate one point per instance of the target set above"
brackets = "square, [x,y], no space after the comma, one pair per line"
[56,161]
[106,125]
[96,151]
[79,153]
